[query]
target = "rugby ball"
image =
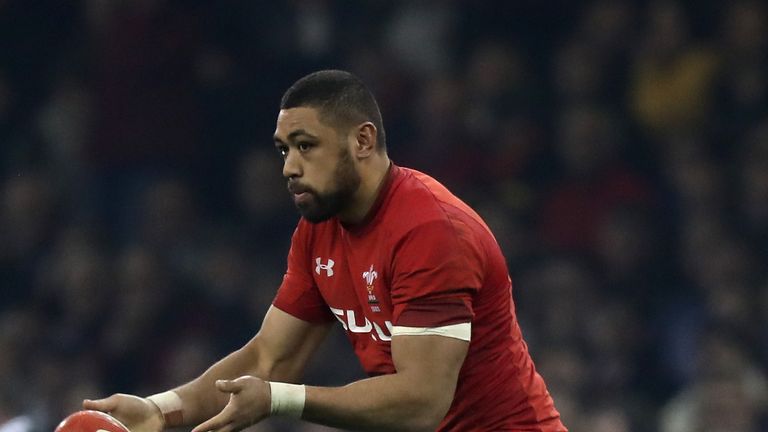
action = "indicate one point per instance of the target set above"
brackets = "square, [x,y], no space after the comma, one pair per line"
[90,421]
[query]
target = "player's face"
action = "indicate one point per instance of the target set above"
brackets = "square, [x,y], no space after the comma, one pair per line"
[322,176]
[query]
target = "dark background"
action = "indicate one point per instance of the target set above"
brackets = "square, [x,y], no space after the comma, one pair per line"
[618,149]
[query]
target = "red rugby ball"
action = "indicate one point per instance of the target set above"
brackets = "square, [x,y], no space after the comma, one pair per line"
[90,421]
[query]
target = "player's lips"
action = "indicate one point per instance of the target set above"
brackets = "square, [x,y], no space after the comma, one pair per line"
[297,189]
[301,198]
[300,193]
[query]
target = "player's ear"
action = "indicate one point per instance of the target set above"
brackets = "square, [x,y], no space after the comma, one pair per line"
[365,140]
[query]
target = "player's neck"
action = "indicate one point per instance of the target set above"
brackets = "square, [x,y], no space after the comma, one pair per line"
[372,179]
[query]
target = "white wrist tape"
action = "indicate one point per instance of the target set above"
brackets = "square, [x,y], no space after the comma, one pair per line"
[170,405]
[287,399]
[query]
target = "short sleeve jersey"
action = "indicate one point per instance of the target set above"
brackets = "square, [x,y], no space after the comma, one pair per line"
[422,258]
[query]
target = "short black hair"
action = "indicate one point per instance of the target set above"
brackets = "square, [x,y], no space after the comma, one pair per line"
[342,99]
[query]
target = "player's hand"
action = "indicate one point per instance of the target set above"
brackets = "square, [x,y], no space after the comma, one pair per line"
[249,403]
[137,414]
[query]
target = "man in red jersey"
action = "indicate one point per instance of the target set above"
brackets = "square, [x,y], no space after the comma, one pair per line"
[413,275]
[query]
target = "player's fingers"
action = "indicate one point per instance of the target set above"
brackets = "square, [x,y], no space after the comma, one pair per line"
[204,426]
[229,427]
[104,405]
[212,427]
[213,424]
[229,386]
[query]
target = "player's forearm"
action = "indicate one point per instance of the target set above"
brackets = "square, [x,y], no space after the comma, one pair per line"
[388,402]
[200,398]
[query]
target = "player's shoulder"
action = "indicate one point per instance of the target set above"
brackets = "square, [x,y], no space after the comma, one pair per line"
[421,199]
[417,198]
[425,215]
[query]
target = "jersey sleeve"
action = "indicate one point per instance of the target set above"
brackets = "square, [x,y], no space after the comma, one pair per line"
[298,294]
[437,269]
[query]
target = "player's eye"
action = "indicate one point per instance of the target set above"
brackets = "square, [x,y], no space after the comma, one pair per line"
[303,146]
[283,150]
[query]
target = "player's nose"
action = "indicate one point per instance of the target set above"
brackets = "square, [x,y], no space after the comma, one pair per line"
[291,165]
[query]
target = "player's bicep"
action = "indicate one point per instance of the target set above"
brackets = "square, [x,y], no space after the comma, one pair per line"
[284,345]
[431,363]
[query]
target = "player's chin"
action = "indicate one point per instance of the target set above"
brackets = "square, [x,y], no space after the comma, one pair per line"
[313,214]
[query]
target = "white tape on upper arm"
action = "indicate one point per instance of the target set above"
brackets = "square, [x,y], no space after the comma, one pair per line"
[462,331]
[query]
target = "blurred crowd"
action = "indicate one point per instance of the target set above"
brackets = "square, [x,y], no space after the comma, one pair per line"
[618,149]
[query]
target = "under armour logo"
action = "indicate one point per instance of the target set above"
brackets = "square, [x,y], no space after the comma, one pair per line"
[327,267]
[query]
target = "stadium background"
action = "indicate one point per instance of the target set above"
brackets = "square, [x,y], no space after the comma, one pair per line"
[619,150]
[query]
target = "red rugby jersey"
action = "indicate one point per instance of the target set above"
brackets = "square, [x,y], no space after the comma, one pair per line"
[422,258]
